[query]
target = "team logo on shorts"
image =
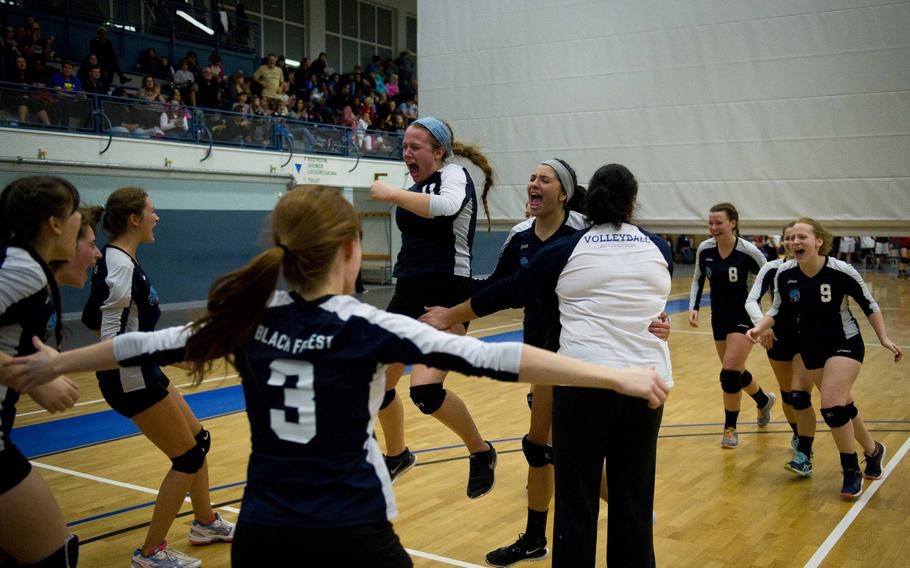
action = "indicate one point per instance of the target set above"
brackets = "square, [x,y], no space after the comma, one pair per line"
[794,295]
[708,272]
[153,296]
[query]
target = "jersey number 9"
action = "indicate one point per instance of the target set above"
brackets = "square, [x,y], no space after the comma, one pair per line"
[298,397]
[825,290]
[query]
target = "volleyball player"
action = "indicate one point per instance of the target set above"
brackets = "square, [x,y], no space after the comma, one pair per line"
[814,288]
[311,360]
[437,218]
[783,351]
[904,247]
[39,224]
[122,300]
[726,260]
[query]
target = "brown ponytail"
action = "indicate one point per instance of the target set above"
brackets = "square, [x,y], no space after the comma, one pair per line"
[473,154]
[308,226]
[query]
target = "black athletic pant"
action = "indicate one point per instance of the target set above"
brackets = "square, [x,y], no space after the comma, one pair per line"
[374,545]
[590,425]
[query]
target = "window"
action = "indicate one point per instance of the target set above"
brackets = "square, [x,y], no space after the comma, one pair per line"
[360,30]
[411,43]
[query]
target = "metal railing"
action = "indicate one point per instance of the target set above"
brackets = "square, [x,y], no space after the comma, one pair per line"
[33,107]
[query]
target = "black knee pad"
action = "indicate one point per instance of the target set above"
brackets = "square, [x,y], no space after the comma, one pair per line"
[536,454]
[836,416]
[730,381]
[428,398]
[192,460]
[204,439]
[387,398]
[745,379]
[801,400]
[64,557]
[853,412]
[531,400]
[786,398]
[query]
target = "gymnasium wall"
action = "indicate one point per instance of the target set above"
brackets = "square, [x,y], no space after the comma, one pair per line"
[786,108]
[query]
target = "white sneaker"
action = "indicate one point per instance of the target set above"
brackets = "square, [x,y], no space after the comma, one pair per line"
[164,558]
[219,530]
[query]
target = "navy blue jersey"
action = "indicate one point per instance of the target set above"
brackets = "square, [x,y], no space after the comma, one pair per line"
[764,282]
[497,292]
[122,297]
[26,311]
[820,302]
[313,376]
[442,243]
[729,276]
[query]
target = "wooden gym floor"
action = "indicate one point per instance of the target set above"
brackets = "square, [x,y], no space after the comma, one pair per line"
[714,507]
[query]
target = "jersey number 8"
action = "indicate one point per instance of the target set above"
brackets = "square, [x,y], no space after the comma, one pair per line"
[300,397]
[734,274]
[825,290]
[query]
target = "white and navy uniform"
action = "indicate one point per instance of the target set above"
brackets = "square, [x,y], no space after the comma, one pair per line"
[313,375]
[821,307]
[26,311]
[786,346]
[434,264]
[498,292]
[729,278]
[604,286]
[123,299]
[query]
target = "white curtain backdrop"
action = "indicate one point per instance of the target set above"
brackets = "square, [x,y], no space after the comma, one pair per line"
[783,107]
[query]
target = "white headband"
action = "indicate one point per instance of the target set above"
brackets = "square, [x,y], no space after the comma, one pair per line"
[565,178]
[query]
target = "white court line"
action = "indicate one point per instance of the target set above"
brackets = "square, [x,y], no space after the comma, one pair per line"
[442,559]
[855,510]
[97,401]
[234,510]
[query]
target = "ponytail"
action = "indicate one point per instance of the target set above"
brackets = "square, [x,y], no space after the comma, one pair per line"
[237,302]
[473,154]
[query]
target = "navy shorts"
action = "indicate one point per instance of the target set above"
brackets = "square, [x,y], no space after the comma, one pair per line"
[729,321]
[14,467]
[412,295]
[786,346]
[132,390]
[815,353]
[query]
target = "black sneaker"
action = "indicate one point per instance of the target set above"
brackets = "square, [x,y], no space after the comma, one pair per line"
[874,462]
[519,551]
[400,464]
[481,476]
[853,484]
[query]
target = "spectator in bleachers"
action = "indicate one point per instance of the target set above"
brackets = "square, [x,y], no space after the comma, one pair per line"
[185,82]
[149,63]
[392,86]
[236,87]
[319,67]
[208,92]
[270,78]
[38,45]
[33,101]
[301,74]
[92,61]
[300,111]
[93,85]
[107,55]
[174,121]
[192,62]
[281,63]
[10,46]
[386,114]
[166,69]
[149,91]
[26,28]
[124,117]
[405,64]
[217,68]
[409,109]
[69,94]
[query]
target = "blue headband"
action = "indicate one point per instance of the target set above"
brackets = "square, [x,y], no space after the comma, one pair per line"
[439,131]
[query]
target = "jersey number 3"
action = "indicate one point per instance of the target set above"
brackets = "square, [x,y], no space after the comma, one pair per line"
[296,422]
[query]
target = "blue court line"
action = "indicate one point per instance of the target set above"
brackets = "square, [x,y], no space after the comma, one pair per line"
[65,434]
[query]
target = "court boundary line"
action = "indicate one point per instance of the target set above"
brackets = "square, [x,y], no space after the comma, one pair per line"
[834,537]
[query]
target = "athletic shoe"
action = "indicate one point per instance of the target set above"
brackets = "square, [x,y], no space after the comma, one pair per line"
[730,439]
[400,464]
[164,558]
[764,413]
[519,551]
[482,473]
[801,465]
[853,484]
[874,462]
[218,531]
[794,443]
